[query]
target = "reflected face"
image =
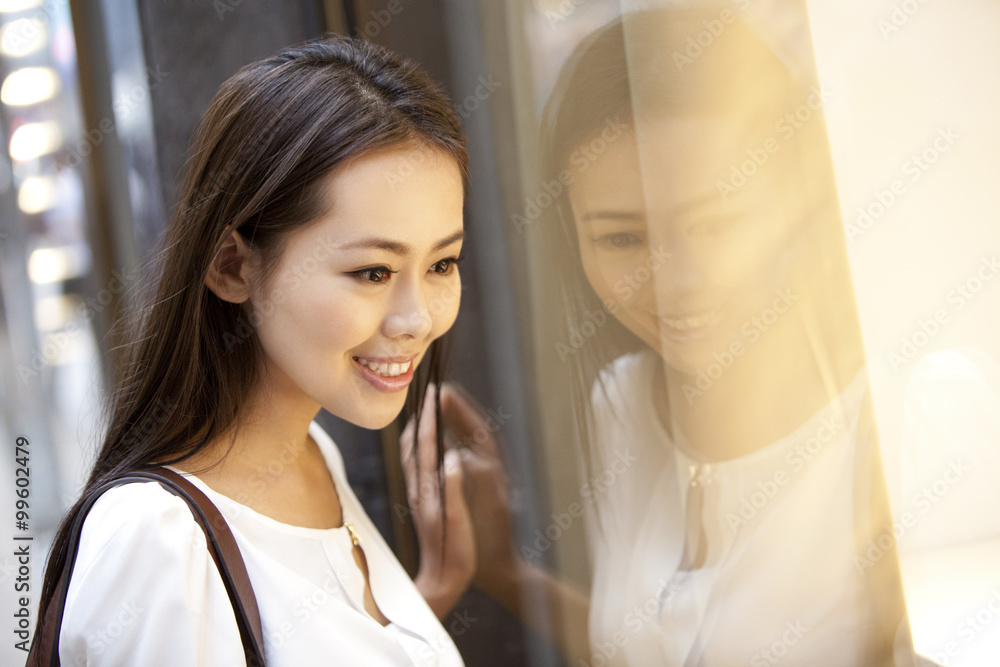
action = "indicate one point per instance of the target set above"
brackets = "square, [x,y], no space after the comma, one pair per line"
[359,295]
[688,267]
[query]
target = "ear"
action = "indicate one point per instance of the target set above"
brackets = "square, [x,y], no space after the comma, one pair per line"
[231,271]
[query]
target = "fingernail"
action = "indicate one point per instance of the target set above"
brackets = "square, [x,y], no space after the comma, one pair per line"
[452,460]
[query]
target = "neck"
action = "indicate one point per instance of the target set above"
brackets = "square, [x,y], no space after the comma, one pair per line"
[769,392]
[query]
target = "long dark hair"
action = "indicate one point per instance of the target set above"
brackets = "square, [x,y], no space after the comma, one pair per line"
[270,136]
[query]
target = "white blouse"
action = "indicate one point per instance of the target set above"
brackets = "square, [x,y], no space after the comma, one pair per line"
[145,590]
[778,584]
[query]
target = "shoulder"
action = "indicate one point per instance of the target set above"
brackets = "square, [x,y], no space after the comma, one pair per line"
[625,373]
[623,389]
[136,513]
[143,581]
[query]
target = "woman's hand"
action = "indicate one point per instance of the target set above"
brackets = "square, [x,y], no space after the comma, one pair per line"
[447,544]
[471,433]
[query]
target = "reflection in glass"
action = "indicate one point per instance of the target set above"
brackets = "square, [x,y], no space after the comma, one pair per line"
[714,354]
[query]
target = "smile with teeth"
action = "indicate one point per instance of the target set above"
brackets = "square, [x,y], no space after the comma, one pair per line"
[689,323]
[385,369]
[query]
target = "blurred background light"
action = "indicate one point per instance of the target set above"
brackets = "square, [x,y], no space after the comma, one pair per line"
[56,263]
[55,312]
[21,37]
[37,194]
[33,140]
[18,5]
[29,85]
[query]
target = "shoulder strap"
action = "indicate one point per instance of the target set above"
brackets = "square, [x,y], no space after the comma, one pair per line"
[221,544]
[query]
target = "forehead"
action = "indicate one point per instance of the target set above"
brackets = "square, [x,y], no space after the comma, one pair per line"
[665,161]
[409,191]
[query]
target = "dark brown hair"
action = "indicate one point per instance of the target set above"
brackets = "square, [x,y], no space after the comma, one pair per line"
[270,136]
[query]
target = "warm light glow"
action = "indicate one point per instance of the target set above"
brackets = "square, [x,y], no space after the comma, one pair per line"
[18,5]
[33,140]
[21,37]
[37,194]
[54,312]
[29,85]
[52,265]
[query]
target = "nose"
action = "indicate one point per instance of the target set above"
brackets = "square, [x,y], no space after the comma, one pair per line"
[409,313]
[682,273]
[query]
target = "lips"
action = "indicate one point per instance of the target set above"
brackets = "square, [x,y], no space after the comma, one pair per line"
[690,326]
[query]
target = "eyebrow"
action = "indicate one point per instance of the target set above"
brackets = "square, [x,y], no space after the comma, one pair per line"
[639,216]
[622,216]
[398,247]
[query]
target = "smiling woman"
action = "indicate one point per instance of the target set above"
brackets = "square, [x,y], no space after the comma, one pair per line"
[300,271]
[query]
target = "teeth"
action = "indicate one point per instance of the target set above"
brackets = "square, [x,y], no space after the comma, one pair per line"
[688,323]
[393,369]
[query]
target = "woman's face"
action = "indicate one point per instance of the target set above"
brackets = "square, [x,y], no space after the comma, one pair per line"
[690,265]
[360,294]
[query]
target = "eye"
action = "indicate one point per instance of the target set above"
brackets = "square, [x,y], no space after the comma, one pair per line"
[375,275]
[618,241]
[446,266]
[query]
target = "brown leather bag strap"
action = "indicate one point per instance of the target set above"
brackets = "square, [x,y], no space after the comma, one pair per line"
[221,544]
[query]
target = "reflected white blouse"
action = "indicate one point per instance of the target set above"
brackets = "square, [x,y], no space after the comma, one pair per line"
[778,583]
[145,590]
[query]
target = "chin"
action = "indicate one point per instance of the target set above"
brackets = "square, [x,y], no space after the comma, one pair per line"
[370,414]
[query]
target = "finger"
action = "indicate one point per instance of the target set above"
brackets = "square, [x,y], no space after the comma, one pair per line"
[406,456]
[455,505]
[426,455]
[466,419]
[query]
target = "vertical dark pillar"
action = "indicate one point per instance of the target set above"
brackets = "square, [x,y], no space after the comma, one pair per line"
[201,44]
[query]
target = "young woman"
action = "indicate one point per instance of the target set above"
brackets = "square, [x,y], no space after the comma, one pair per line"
[720,393]
[311,263]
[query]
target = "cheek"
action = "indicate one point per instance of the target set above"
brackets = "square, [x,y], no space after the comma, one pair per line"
[319,320]
[443,307]
[596,272]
